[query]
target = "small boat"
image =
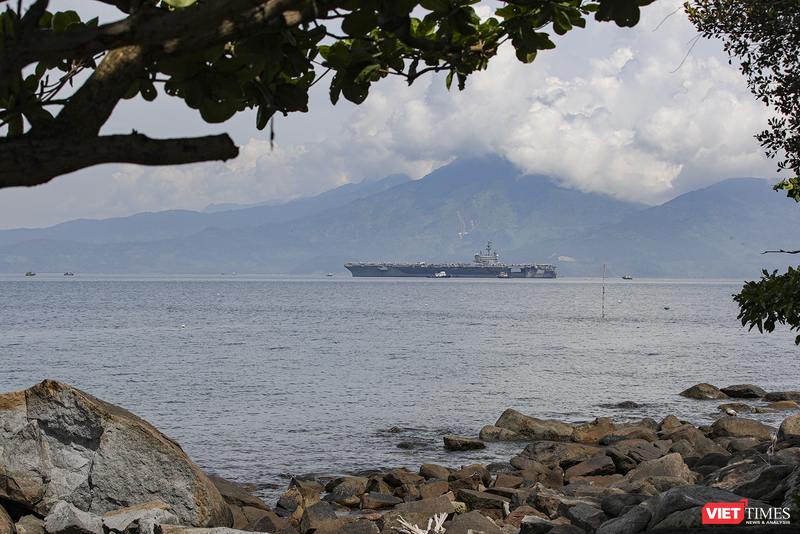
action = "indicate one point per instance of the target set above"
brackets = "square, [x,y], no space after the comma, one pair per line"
[30,273]
[69,274]
[329,274]
[503,274]
[627,277]
[441,274]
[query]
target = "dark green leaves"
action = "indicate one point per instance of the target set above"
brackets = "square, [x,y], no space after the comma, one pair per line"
[774,299]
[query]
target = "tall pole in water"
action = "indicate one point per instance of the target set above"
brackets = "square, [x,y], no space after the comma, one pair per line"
[603,306]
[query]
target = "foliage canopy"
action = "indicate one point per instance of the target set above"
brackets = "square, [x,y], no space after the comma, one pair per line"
[227,56]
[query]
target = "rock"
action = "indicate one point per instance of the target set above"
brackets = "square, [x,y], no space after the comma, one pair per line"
[536,525]
[782,396]
[599,465]
[235,495]
[361,526]
[379,501]
[127,520]
[740,444]
[789,456]
[481,499]
[633,522]
[735,406]
[706,446]
[784,405]
[401,476]
[296,499]
[554,479]
[670,465]
[668,422]
[687,432]
[688,497]
[586,517]
[474,521]
[270,522]
[690,519]
[318,516]
[29,524]
[628,433]
[790,426]
[432,490]
[764,484]
[533,428]
[429,471]
[54,439]
[65,518]
[348,492]
[744,391]
[551,454]
[613,505]
[494,433]
[516,517]
[592,432]
[470,471]
[455,443]
[703,392]
[739,427]
[684,448]
[308,483]
[641,452]
[622,462]
[582,489]
[6,524]
[416,513]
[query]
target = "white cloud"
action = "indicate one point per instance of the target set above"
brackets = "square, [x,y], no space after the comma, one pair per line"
[622,111]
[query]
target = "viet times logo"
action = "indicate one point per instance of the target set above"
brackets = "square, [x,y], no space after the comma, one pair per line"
[727,513]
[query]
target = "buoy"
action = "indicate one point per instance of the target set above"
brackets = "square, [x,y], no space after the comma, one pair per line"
[183,326]
[666,307]
[426,305]
[619,301]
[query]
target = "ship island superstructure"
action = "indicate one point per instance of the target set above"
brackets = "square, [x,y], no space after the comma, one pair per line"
[483,266]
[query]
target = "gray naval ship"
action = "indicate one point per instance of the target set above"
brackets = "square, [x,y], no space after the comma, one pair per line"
[483,266]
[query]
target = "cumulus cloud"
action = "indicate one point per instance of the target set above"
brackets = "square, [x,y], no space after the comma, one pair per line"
[636,113]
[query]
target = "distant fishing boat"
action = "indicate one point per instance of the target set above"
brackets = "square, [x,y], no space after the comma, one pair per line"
[30,273]
[627,277]
[68,274]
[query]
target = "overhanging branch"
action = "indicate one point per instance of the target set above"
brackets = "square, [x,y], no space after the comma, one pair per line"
[29,161]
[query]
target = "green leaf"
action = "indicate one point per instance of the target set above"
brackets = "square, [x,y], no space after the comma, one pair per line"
[147,89]
[216,112]
[360,23]
[179,3]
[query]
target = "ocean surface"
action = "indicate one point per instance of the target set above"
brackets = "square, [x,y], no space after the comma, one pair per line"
[260,378]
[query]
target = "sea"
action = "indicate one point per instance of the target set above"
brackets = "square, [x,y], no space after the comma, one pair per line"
[261,378]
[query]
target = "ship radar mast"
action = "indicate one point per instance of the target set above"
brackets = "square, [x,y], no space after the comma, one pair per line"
[489,258]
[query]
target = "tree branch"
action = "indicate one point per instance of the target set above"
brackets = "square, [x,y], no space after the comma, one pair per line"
[27,161]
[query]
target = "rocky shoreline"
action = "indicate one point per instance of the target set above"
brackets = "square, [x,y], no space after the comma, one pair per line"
[73,464]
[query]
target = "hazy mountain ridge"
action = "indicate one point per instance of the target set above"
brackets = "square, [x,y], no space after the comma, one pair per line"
[449,215]
[179,223]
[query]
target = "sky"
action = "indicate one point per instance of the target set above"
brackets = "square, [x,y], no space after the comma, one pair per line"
[643,114]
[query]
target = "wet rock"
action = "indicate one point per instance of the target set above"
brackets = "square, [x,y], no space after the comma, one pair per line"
[628,405]
[703,391]
[64,518]
[306,482]
[429,471]
[455,443]
[471,471]
[551,454]
[533,428]
[689,497]
[55,439]
[790,426]
[782,396]
[599,465]
[739,427]
[744,391]
[481,499]
[348,492]
[735,406]
[633,522]
[494,433]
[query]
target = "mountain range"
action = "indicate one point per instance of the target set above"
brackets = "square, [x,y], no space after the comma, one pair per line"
[716,232]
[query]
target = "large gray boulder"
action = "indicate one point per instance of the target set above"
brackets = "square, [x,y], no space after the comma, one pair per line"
[534,428]
[58,443]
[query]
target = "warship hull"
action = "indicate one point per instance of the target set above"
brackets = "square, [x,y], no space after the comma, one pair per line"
[455,270]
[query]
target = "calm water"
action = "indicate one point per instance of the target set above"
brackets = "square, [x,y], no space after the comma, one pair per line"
[279,376]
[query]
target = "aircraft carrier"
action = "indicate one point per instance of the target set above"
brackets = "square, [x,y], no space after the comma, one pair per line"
[483,266]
